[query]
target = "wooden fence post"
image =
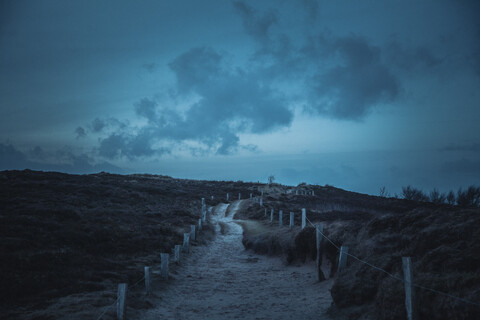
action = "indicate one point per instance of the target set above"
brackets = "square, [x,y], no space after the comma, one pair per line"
[122,301]
[313,192]
[280,218]
[199,224]
[261,201]
[262,193]
[203,202]
[239,196]
[192,232]
[228,196]
[291,220]
[318,243]
[176,253]
[265,215]
[342,259]
[204,213]
[409,293]
[271,215]
[304,218]
[186,240]
[164,265]
[147,279]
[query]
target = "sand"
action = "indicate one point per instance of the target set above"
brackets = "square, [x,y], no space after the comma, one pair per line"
[224,281]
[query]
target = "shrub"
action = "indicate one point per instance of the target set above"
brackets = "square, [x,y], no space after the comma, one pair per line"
[411,193]
[451,198]
[437,197]
[469,197]
[384,193]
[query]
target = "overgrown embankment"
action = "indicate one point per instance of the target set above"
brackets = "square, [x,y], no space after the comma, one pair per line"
[443,242]
[64,234]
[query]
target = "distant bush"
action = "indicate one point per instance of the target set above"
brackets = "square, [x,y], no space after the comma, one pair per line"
[384,193]
[451,198]
[469,197]
[271,179]
[437,197]
[411,193]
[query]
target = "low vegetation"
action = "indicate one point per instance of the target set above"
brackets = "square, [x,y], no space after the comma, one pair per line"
[77,236]
[442,240]
[464,198]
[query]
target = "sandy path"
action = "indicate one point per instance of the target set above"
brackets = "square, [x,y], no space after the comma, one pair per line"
[224,281]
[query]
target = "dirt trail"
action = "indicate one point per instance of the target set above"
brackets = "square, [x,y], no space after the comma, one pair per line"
[224,281]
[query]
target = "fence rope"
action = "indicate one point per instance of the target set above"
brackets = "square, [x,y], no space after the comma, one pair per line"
[395,277]
[106,309]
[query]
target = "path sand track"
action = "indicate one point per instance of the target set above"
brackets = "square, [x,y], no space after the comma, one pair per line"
[224,281]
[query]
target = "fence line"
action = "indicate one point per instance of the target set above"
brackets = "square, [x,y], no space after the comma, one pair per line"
[192,229]
[395,277]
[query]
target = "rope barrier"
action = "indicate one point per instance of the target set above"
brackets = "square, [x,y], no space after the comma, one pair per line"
[105,310]
[116,300]
[395,277]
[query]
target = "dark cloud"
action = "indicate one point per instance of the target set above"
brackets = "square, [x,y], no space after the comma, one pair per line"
[227,102]
[98,125]
[64,161]
[407,58]
[150,67]
[256,25]
[146,108]
[11,158]
[80,132]
[37,153]
[130,145]
[345,75]
[357,82]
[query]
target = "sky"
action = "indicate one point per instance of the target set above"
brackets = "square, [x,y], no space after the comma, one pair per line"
[354,94]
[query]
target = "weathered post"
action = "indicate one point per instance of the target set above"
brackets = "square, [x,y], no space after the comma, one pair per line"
[176,253]
[261,202]
[203,202]
[262,193]
[164,265]
[304,218]
[239,196]
[291,220]
[342,259]
[265,215]
[271,215]
[186,240]
[199,224]
[192,232]
[313,192]
[280,218]
[409,293]
[318,242]
[122,301]
[228,196]
[147,280]
[204,213]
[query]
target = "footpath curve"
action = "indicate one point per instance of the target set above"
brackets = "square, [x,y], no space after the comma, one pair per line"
[225,281]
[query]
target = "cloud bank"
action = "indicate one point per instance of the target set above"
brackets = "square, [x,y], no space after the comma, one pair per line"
[216,99]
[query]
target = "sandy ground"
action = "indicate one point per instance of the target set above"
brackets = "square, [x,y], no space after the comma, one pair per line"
[224,281]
